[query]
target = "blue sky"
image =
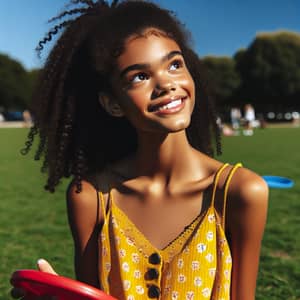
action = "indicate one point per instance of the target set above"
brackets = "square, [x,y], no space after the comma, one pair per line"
[219,27]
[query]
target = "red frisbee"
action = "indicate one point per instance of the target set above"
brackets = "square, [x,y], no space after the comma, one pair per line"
[38,283]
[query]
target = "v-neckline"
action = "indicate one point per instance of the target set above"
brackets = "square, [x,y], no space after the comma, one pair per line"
[172,247]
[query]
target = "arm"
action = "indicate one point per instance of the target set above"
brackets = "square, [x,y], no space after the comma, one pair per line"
[82,213]
[247,211]
[84,220]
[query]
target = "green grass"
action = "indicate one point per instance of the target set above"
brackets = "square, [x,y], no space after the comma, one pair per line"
[275,152]
[33,223]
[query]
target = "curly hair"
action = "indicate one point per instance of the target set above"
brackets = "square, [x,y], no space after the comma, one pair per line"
[76,135]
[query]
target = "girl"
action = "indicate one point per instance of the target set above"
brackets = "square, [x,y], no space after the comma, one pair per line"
[122,106]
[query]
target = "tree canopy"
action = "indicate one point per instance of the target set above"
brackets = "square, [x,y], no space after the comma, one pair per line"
[223,78]
[270,70]
[12,83]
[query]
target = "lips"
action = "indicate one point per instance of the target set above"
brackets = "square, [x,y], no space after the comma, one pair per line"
[168,105]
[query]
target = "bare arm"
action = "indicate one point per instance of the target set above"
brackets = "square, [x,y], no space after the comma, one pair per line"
[247,211]
[84,223]
[85,220]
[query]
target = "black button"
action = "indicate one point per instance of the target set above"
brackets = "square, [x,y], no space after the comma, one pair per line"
[153,291]
[151,274]
[154,259]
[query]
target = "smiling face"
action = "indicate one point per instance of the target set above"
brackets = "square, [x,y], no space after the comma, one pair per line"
[153,85]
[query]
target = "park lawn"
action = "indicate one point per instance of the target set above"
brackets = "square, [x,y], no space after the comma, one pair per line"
[33,222]
[275,152]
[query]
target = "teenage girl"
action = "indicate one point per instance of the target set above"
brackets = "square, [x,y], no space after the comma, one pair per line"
[123,108]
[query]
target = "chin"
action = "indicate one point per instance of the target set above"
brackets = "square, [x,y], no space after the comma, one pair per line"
[178,125]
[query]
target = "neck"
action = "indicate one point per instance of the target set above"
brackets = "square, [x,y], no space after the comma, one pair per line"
[165,156]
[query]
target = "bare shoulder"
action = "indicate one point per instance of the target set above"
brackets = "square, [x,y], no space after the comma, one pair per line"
[83,198]
[247,200]
[246,187]
[249,188]
[82,205]
[85,205]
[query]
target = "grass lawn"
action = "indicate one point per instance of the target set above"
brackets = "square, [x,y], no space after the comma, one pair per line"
[33,223]
[275,152]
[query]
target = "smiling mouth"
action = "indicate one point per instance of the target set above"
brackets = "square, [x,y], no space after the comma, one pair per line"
[172,105]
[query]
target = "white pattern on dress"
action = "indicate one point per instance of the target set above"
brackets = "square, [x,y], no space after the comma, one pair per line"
[190,295]
[135,258]
[140,290]
[122,252]
[195,265]
[209,257]
[206,292]
[137,274]
[180,263]
[175,295]
[181,278]
[210,236]
[201,247]
[125,266]
[198,281]
[126,285]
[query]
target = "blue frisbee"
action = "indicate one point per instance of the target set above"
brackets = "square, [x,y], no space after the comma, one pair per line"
[278,182]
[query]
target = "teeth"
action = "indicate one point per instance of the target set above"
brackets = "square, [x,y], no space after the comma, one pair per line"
[171,104]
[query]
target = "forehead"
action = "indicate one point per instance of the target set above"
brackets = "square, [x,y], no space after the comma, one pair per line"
[148,49]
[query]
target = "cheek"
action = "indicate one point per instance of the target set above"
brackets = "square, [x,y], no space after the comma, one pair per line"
[187,82]
[133,102]
[189,85]
[136,98]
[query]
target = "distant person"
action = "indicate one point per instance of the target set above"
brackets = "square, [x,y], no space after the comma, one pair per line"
[227,130]
[2,119]
[296,118]
[27,118]
[249,116]
[122,109]
[235,116]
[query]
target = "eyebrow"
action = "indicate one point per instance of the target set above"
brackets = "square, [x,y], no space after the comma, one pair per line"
[165,58]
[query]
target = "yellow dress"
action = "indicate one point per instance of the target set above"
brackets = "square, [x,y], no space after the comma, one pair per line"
[196,265]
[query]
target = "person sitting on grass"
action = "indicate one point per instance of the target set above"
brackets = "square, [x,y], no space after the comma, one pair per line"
[122,107]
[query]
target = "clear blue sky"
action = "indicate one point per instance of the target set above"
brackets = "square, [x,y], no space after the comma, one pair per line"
[219,27]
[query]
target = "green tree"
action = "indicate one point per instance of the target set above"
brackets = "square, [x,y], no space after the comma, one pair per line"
[223,78]
[32,77]
[14,93]
[270,70]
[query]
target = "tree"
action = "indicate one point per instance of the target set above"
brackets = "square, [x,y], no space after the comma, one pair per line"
[270,70]
[15,84]
[32,77]
[223,78]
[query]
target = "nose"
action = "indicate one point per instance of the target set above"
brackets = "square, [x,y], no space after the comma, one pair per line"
[164,86]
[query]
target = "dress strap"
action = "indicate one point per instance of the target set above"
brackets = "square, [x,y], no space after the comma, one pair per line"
[227,183]
[216,180]
[104,246]
[103,208]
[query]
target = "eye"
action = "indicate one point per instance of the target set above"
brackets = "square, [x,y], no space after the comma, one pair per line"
[139,77]
[176,64]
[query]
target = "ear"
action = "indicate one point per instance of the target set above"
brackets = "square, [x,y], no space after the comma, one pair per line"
[110,106]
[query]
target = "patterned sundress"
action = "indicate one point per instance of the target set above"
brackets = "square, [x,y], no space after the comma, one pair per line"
[196,265]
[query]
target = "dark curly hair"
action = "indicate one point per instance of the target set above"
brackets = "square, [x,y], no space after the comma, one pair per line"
[76,135]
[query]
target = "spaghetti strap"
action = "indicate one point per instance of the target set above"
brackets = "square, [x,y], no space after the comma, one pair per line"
[227,183]
[104,242]
[216,180]
[103,209]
